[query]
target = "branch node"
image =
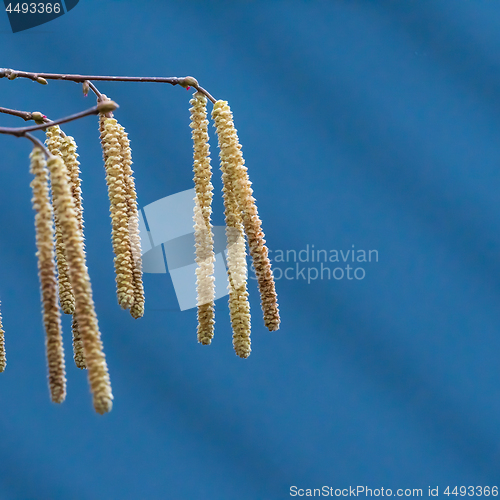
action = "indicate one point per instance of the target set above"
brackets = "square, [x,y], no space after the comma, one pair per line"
[188,81]
[106,106]
[38,117]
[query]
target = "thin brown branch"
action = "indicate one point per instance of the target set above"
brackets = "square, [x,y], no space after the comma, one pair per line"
[101,107]
[185,82]
[11,74]
[28,115]
[25,115]
[95,110]
[206,93]
[94,89]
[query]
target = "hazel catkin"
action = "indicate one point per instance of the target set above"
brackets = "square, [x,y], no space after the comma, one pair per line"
[137,310]
[110,139]
[66,297]
[70,157]
[47,274]
[203,234]
[84,305]
[232,157]
[239,307]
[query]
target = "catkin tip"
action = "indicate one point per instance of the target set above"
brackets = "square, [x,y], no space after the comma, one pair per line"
[206,323]
[78,352]
[102,404]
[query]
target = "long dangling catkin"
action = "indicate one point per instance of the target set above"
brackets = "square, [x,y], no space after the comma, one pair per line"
[3,360]
[85,312]
[137,310]
[69,156]
[47,274]
[239,307]
[204,240]
[119,212]
[230,152]
[66,297]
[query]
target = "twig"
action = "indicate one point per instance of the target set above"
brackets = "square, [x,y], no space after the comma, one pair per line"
[187,81]
[25,115]
[94,89]
[102,107]
[37,143]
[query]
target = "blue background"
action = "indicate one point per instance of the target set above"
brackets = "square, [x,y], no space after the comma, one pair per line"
[374,124]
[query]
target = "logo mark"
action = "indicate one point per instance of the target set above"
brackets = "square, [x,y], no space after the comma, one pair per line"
[168,245]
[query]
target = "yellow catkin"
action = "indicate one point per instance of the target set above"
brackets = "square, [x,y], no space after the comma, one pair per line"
[110,139]
[70,157]
[239,307]
[230,153]
[3,360]
[47,274]
[85,311]
[204,240]
[66,297]
[137,310]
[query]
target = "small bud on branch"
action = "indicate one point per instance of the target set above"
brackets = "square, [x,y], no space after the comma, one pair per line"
[85,88]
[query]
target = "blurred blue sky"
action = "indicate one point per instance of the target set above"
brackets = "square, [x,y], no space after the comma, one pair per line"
[373,124]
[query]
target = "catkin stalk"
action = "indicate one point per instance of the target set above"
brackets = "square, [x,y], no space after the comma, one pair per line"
[84,305]
[47,275]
